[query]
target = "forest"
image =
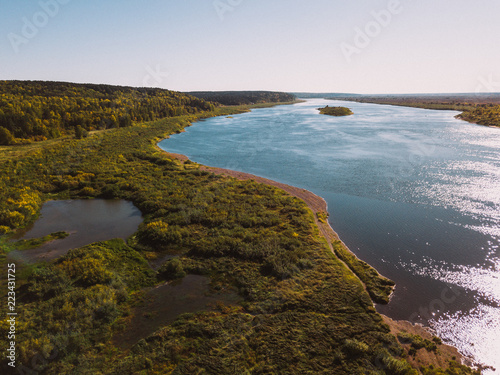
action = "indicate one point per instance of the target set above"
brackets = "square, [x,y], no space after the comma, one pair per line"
[299,308]
[244,97]
[35,111]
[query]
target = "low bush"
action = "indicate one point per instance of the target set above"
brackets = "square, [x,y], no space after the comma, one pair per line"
[171,270]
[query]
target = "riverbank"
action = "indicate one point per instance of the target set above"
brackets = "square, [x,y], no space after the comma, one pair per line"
[318,206]
[475,109]
[381,291]
[426,358]
[377,286]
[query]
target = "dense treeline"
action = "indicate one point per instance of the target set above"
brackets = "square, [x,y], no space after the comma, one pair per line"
[244,97]
[301,311]
[483,115]
[43,110]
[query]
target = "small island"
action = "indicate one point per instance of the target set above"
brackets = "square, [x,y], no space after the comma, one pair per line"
[335,111]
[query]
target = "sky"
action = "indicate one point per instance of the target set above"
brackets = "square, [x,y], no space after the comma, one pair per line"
[362,46]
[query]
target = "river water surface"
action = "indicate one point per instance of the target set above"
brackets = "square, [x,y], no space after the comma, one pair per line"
[414,192]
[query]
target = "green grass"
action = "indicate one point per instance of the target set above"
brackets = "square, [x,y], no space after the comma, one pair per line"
[378,287]
[37,242]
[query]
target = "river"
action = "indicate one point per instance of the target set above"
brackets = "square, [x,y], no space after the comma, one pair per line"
[414,192]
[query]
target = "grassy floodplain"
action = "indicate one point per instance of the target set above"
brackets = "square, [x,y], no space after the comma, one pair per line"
[301,309]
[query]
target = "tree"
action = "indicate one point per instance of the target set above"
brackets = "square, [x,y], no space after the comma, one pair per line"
[80,132]
[125,121]
[6,138]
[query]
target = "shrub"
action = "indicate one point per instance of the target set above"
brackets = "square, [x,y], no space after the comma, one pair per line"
[6,138]
[159,233]
[281,266]
[87,191]
[80,132]
[354,347]
[398,367]
[47,282]
[172,269]
[13,219]
[87,271]
[417,342]
[322,216]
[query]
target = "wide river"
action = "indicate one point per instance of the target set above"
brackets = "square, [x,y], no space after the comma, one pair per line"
[414,192]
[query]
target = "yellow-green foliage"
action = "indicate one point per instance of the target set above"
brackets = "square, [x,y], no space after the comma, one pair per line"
[322,217]
[43,110]
[19,205]
[417,342]
[103,262]
[355,347]
[453,368]
[159,233]
[87,271]
[378,287]
[335,111]
[483,115]
[68,307]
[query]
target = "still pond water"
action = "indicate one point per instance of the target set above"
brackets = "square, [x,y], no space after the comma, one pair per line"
[414,192]
[86,221]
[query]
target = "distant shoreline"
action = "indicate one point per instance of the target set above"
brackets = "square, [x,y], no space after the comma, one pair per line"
[472,109]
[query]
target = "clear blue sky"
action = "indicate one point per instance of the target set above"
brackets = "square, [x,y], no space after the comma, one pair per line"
[288,45]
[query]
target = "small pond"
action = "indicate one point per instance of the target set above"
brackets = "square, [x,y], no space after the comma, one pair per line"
[163,304]
[86,221]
